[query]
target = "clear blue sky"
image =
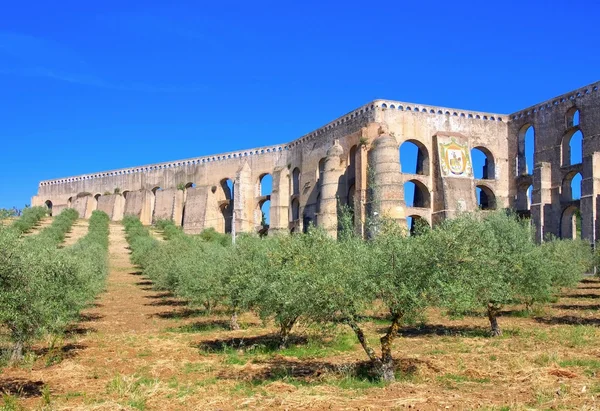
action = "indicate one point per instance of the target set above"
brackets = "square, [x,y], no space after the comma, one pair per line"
[90,86]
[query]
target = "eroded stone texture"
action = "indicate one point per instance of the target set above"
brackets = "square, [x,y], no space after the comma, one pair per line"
[354,161]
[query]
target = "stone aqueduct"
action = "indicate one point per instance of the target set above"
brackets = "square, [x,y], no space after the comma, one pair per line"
[312,175]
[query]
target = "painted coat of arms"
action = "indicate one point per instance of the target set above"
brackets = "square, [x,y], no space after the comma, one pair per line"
[455,160]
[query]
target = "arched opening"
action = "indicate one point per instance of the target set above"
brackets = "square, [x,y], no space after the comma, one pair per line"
[572,148]
[570,223]
[124,194]
[416,224]
[524,197]
[155,189]
[226,205]
[572,117]
[483,164]
[265,183]
[414,158]
[265,189]
[416,194]
[571,186]
[295,210]
[320,172]
[48,204]
[69,202]
[351,169]
[265,211]
[296,181]
[486,200]
[526,156]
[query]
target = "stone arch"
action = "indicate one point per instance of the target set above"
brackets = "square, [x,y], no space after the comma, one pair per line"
[125,193]
[414,157]
[524,197]
[48,205]
[571,147]
[351,169]
[264,208]
[296,181]
[526,151]
[571,186]
[486,199]
[570,223]
[572,117]
[415,223]
[416,194]
[484,165]
[265,184]
[226,204]
[69,202]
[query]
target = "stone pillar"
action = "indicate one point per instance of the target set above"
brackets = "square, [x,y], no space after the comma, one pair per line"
[590,190]
[243,201]
[332,175]
[541,199]
[360,186]
[280,199]
[386,197]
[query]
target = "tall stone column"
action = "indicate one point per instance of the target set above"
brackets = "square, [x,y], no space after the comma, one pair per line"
[541,199]
[386,196]
[332,175]
[243,202]
[280,200]
[590,190]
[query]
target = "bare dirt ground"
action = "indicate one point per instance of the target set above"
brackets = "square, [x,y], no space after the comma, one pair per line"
[43,223]
[78,230]
[137,348]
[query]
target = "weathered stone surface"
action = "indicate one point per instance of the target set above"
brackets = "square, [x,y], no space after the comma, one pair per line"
[304,175]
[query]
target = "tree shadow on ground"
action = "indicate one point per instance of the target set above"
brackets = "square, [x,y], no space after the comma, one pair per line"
[281,368]
[147,282]
[264,343]
[592,296]
[66,351]
[20,387]
[424,330]
[164,294]
[201,326]
[568,320]
[589,288]
[167,303]
[89,317]
[180,314]
[589,281]
[138,273]
[577,307]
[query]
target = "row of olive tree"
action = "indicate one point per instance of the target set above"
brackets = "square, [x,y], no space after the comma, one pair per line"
[473,262]
[29,218]
[42,287]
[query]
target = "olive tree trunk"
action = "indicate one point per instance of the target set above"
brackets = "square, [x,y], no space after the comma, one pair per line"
[382,367]
[492,312]
[16,355]
[285,329]
[233,322]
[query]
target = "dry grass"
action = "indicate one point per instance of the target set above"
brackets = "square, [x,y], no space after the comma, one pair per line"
[142,349]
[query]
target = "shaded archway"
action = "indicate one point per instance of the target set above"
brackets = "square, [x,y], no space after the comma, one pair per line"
[416,224]
[526,154]
[296,181]
[48,204]
[484,167]
[186,187]
[572,148]
[416,194]
[414,158]
[227,193]
[486,200]
[570,223]
[295,210]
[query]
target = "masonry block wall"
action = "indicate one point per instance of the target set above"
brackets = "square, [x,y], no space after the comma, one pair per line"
[355,161]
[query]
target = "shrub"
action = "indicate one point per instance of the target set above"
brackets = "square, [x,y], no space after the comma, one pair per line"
[29,218]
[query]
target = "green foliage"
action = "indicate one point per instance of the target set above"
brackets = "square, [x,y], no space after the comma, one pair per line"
[476,261]
[29,218]
[55,233]
[43,288]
